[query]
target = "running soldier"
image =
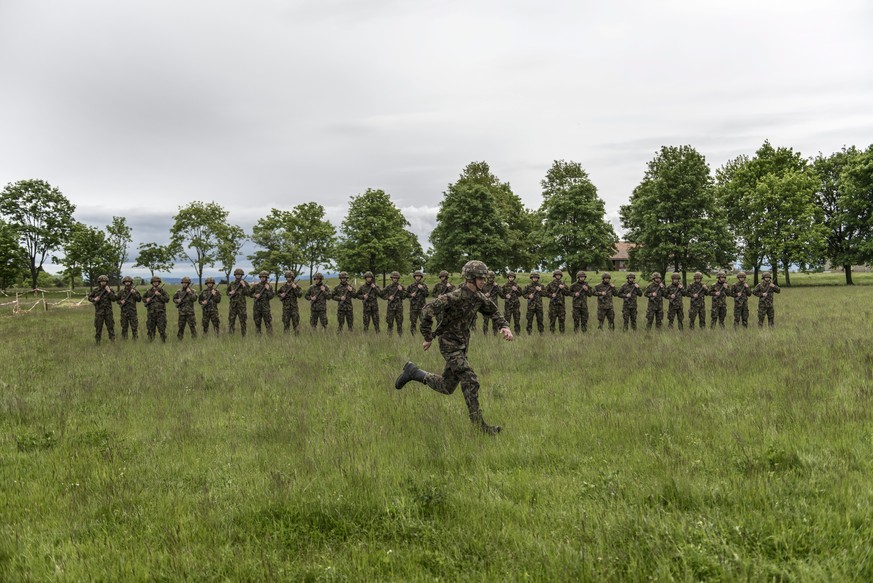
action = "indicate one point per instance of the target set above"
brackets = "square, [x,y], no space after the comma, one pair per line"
[443,286]
[534,294]
[580,292]
[675,309]
[127,299]
[209,300]
[102,298]
[764,291]
[511,295]
[557,290]
[237,291]
[262,293]
[290,311]
[492,293]
[629,292]
[719,292]
[417,294]
[184,300]
[605,310]
[655,293]
[369,295]
[394,294]
[317,295]
[741,292]
[697,291]
[454,312]
[156,300]
[343,294]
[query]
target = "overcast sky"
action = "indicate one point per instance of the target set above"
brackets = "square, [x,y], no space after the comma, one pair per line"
[134,108]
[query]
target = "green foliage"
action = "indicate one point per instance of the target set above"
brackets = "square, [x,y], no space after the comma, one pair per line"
[155,257]
[42,217]
[575,233]
[196,234]
[673,216]
[230,241]
[88,253]
[858,202]
[13,258]
[293,239]
[117,241]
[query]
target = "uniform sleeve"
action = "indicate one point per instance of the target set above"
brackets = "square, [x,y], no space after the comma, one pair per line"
[430,312]
[776,289]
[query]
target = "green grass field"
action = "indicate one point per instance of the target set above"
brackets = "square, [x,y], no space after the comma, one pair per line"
[705,455]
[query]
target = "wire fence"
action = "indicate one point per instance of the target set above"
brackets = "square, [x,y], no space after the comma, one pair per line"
[26,302]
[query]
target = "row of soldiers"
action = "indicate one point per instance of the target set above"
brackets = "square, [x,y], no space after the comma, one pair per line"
[512,292]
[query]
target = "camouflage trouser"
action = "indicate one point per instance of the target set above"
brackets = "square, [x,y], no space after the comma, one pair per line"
[344,316]
[717,314]
[557,312]
[694,312]
[535,312]
[237,312]
[191,321]
[414,317]
[457,371]
[371,312]
[156,321]
[741,315]
[395,314]
[263,313]
[102,317]
[675,312]
[290,315]
[764,311]
[131,320]
[210,316]
[629,316]
[318,316]
[654,312]
[580,318]
[513,311]
[608,313]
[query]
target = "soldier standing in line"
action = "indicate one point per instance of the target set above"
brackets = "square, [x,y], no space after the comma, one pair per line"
[262,293]
[443,286]
[394,294]
[184,300]
[655,293]
[629,292]
[765,291]
[605,310]
[454,312]
[369,294]
[102,298]
[317,295]
[719,292]
[237,292]
[580,291]
[417,294]
[741,292]
[209,300]
[557,290]
[127,299]
[534,294]
[674,294]
[697,291]
[290,311]
[492,293]
[511,295]
[156,300]
[343,294]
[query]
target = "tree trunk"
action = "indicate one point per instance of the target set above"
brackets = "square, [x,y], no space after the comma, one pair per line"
[848,270]
[756,269]
[787,277]
[34,275]
[684,278]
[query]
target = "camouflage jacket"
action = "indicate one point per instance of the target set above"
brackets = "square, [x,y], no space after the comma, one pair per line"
[534,296]
[655,293]
[630,289]
[700,290]
[240,291]
[417,294]
[156,299]
[511,293]
[369,294]
[723,290]
[455,312]
[184,300]
[741,293]
[394,294]
[262,293]
[559,289]
[129,298]
[491,291]
[288,295]
[209,301]
[584,290]
[102,299]
[344,294]
[441,288]
[674,295]
[604,293]
[318,295]
[765,292]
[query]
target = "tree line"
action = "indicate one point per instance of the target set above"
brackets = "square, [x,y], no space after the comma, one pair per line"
[774,208]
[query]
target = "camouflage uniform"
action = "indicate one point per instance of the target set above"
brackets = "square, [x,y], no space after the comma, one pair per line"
[127,299]
[719,293]
[209,300]
[492,293]
[605,309]
[394,294]
[655,293]
[765,291]
[675,309]
[443,286]
[288,295]
[629,292]
[343,294]
[417,294]
[262,292]
[184,300]
[534,292]
[156,300]
[697,291]
[317,295]
[511,295]
[237,292]
[580,292]
[102,298]
[557,290]
[369,294]
[740,292]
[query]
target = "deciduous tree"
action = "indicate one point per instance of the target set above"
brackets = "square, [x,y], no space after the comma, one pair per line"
[155,257]
[13,259]
[196,234]
[118,240]
[87,252]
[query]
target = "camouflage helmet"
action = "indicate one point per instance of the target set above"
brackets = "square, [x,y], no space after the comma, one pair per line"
[156,279]
[491,274]
[510,274]
[395,274]
[766,275]
[557,273]
[698,275]
[631,275]
[580,274]
[186,279]
[534,274]
[318,275]
[290,274]
[103,278]
[417,273]
[369,274]
[721,273]
[344,275]
[239,271]
[474,269]
[444,273]
[127,279]
[210,280]
[741,275]
[263,273]
[675,275]
[605,275]
[656,275]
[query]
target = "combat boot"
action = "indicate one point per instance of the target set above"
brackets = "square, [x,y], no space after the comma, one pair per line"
[410,373]
[480,424]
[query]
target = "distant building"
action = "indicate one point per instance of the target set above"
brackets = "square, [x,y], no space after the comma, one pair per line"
[620,259]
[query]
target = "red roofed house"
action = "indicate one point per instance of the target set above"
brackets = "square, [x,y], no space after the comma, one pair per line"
[620,259]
